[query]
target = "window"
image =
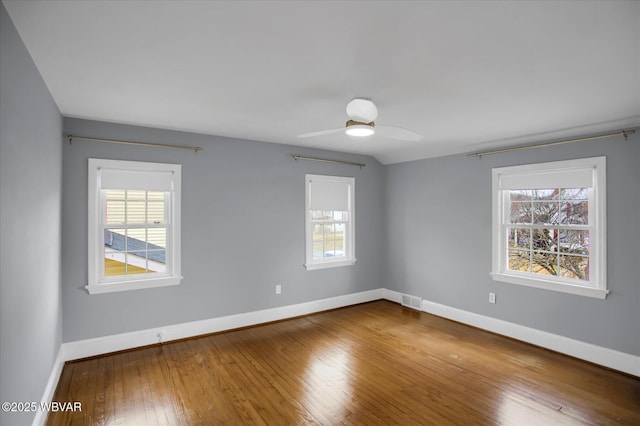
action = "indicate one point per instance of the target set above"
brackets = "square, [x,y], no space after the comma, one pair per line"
[134,225]
[549,226]
[329,221]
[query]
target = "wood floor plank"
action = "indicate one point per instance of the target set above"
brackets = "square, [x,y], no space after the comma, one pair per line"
[375,363]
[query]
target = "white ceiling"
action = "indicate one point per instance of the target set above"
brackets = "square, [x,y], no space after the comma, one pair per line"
[468,75]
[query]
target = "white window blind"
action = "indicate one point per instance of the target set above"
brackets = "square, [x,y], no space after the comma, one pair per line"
[328,195]
[570,178]
[133,225]
[329,221]
[549,226]
[135,180]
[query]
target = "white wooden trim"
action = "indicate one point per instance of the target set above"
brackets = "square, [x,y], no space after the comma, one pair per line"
[392,295]
[597,225]
[117,342]
[49,390]
[349,249]
[101,345]
[96,282]
[606,357]
[515,278]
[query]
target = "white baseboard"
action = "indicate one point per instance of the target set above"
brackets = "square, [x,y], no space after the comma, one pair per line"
[118,342]
[589,352]
[101,345]
[392,295]
[49,390]
[610,358]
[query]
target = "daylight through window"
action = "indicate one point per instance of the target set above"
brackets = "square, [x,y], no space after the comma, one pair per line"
[329,221]
[134,226]
[135,232]
[549,226]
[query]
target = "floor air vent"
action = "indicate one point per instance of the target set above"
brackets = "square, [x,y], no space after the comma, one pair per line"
[412,302]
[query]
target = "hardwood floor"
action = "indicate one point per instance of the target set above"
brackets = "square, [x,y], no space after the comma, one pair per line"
[375,363]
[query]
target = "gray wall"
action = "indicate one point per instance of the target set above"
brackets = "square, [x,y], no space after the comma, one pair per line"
[30,194]
[242,230]
[439,232]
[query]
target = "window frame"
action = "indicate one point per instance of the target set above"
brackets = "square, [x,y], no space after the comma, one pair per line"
[596,286]
[349,242]
[97,281]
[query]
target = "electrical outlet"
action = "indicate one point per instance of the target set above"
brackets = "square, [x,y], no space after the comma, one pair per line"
[278,288]
[492,297]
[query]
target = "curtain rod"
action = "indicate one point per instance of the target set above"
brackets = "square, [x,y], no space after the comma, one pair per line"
[158,145]
[623,133]
[324,160]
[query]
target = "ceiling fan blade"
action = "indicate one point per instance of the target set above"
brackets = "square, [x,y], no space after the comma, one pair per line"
[400,133]
[321,133]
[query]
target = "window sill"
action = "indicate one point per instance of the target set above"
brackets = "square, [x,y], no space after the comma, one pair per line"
[112,287]
[596,293]
[331,264]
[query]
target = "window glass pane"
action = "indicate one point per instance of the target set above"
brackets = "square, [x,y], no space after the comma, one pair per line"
[136,239]
[544,263]
[544,231]
[574,242]
[545,212]
[576,267]
[114,263]
[114,211]
[317,232]
[115,239]
[136,262]
[317,250]
[136,195]
[156,238]
[155,207]
[135,251]
[519,260]
[519,238]
[136,207]
[574,194]
[339,242]
[114,252]
[156,260]
[340,216]
[545,194]
[544,239]
[520,195]
[330,248]
[135,224]
[155,195]
[115,194]
[136,212]
[328,231]
[114,206]
[574,212]
[520,212]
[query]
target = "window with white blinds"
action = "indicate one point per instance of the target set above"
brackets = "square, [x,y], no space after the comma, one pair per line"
[329,221]
[549,226]
[134,225]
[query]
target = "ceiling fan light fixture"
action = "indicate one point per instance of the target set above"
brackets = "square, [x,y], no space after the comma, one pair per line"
[360,130]
[362,114]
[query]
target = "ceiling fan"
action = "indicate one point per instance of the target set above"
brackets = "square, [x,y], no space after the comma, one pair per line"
[362,112]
